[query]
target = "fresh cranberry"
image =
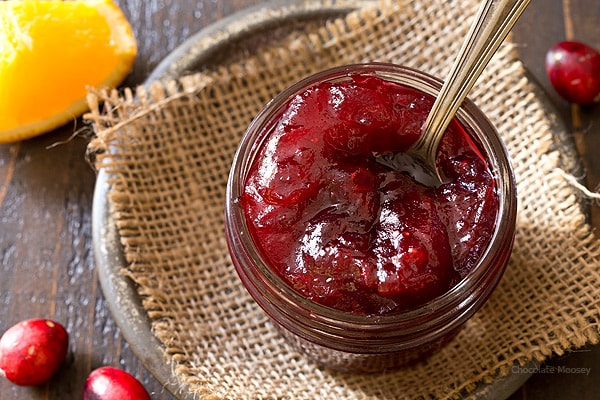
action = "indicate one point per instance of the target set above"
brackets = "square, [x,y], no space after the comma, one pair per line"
[110,383]
[32,351]
[574,71]
[350,233]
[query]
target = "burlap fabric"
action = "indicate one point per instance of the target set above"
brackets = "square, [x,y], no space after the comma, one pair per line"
[168,151]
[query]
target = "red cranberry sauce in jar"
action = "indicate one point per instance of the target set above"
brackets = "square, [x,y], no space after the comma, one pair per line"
[348,232]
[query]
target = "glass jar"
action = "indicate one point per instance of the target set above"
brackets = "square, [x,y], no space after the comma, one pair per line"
[369,343]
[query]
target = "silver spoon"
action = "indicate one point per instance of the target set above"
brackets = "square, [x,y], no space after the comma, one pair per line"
[493,21]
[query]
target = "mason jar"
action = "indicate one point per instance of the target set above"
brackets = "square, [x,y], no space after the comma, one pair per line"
[345,340]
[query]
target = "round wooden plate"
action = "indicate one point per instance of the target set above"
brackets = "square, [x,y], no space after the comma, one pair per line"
[235,36]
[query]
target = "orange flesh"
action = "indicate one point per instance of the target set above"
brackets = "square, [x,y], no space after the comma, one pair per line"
[50,53]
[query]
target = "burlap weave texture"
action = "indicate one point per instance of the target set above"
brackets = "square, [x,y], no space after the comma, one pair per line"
[168,149]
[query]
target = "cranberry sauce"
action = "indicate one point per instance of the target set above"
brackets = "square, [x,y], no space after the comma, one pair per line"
[350,233]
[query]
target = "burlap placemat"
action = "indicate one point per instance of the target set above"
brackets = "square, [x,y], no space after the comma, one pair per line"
[168,150]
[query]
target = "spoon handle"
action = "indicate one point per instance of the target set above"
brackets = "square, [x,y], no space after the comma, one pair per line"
[491,25]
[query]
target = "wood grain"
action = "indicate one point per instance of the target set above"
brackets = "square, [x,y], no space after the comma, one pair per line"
[46,189]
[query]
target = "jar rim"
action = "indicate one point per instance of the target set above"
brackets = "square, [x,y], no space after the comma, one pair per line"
[479,128]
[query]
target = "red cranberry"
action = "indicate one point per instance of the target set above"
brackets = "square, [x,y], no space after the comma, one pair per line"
[110,383]
[574,70]
[32,351]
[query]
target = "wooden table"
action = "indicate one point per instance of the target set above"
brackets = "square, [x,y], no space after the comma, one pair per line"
[46,186]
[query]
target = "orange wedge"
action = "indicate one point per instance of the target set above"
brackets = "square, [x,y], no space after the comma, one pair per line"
[50,53]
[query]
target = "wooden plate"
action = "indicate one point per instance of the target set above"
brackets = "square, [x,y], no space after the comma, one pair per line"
[232,37]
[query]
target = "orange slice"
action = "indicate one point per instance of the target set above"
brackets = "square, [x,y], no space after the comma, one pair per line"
[50,53]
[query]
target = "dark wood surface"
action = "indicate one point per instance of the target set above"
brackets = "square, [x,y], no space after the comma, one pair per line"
[46,187]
